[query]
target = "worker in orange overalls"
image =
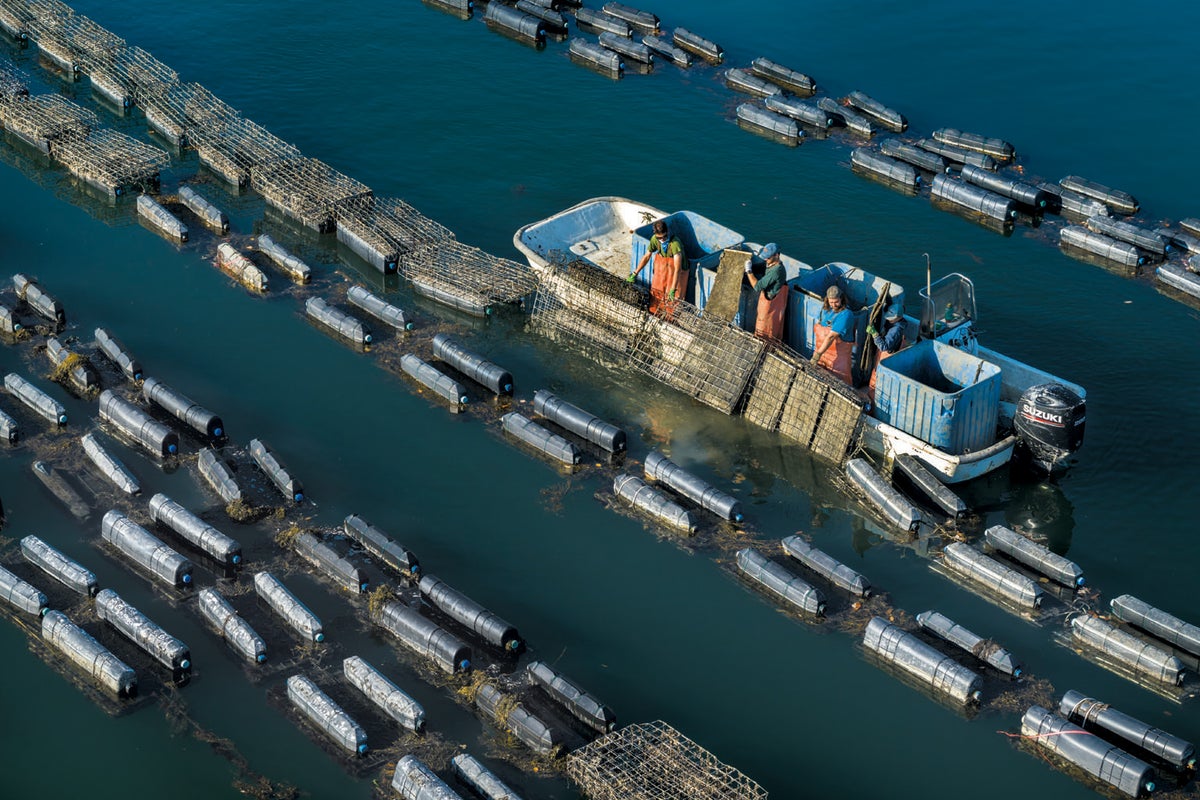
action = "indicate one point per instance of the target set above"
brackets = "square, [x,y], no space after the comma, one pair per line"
[772,291]
[833,335]
[888,341]
[670,276]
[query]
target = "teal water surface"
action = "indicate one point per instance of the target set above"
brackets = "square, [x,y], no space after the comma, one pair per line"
[484,135]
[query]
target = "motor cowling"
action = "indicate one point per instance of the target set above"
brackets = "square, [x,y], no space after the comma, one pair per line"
[1050,421]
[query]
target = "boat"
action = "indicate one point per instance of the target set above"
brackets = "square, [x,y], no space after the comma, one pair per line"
[957,406]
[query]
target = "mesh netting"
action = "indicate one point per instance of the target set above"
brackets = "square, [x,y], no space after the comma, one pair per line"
[770,389]
[472,270]
[709,360]
[306,189]
[653,761]
[45,117]
[112,159]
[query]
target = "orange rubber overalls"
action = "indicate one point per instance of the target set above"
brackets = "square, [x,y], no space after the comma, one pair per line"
[837,358]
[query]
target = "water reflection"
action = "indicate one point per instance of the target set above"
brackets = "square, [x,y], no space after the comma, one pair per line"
[1038,508]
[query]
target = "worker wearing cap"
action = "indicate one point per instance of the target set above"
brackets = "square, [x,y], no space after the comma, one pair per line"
[670,272]
[772,291]
[833,335]
[888,341]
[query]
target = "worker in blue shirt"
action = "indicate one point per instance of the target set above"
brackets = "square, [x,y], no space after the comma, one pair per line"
[888,341]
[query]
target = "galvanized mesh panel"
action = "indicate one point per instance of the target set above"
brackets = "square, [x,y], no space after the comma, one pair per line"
[770,389]
[90,42]
[47,117]
[111,158]
[706,359]
[653,761]
[47,16]
[307,189]
[581,305]
[838,426]
[148,76]
[15,14]
[392,226]
[799,417]
[473,270]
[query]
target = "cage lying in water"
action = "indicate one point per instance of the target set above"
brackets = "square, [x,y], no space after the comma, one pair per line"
[67,572]
[516,719]
[1119,201]
[41,302]
[187,411]
[473,365]
[425,637]
[509,21]
[800,110]
[1158,623]
[326,715]
[540,439]
[958,155]
[145,549]
[137,425]
[160,219]
[208,213]
[583,424]
[786,77]
[677,56]
[888,168]
[287,605]
[597,57]
[1098,244]
[381,546]
[481,780]
[826,566]
[378,308]
[291,265]
[894,506]
[235,630]
[117,353]
[1024,193]
[465,611]
[79,369]
[965,560]
[581,705]
[983,649]
[780,581]
[634,491]
[109,466]
[8,320]
[382,692]
[1092,754]
[139,629]
[972,198]
[38,401]
[89,655]
[279,476]
[341,323]
[759,120]
[996,148]
[904,650]
[194,530]
[1034,555]
[440,384]
[1092,714]
[21,594]
[660,468]
[412,780]
[1135,235]
[1141,657]
[340,570]
[705,48]
[218,475]
[241,268]
[890,118]
[10,431]
[911,154]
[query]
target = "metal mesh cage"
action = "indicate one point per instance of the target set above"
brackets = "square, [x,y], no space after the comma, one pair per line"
[653,761]
[43,118]
[12,86]
[709,360]
[306,189]
[769,390]
[475,271]
[112,159]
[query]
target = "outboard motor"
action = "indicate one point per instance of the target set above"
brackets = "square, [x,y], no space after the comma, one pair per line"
[1049,421]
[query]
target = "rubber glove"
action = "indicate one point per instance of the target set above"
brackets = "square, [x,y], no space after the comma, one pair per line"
[671,295]
[871,330]
[630,278]
[816,359]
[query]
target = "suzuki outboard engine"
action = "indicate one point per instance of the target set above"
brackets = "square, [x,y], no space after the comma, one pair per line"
[1049,422]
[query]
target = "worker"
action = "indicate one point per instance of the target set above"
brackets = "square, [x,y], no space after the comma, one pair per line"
[888,341]
[670,273]
[772,291]
[833,335]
